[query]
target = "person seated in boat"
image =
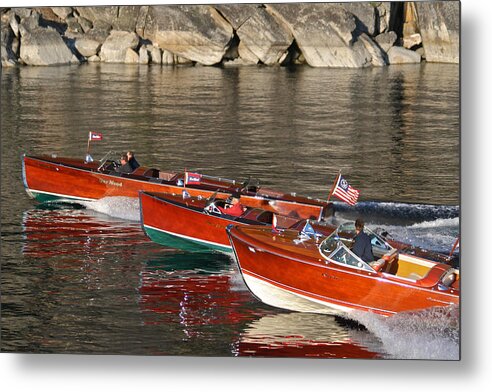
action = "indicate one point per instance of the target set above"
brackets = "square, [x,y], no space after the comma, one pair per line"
[235,208]
[132,161]
[124,165]
[362,246]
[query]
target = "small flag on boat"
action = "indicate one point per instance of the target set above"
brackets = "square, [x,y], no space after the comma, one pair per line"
[192,178]
[344,191]
[95,136]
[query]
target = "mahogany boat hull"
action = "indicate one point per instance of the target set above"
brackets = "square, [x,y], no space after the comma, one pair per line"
[298,279]
[72,180]
[181,223]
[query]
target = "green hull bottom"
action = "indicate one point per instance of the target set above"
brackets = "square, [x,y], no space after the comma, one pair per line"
[47,198]
[188,245]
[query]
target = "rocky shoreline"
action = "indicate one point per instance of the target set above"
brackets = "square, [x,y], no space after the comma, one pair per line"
[352,35]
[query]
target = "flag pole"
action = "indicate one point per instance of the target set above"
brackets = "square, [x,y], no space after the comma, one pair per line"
[88,143]
[334,185]
[454,246]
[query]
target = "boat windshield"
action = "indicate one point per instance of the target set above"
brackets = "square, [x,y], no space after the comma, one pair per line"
[334,249]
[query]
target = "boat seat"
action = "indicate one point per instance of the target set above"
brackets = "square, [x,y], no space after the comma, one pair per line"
[153,173]
[166,176]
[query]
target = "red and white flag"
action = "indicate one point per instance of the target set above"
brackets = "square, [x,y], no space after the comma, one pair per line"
[95,136]
[192,178]
[345,192]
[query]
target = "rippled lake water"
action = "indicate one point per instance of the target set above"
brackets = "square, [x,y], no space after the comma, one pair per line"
[87,280]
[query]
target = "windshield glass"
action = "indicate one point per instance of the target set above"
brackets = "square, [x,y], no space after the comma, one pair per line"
[335,250]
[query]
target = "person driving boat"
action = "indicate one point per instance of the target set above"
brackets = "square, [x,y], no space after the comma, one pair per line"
[235,208]
[362,246]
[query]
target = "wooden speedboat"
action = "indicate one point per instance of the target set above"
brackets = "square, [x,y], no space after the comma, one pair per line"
[380,236]
[298,271]
[51,178]
[195,223]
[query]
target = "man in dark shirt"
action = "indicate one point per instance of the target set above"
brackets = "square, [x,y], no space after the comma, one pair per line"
[132,161]
[362,243]
[125,166]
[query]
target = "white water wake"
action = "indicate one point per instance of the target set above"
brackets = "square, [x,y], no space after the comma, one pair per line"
[430,334]
[127,208]
[439,234]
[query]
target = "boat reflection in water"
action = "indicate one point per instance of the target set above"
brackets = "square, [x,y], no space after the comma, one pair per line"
[304,335]
[216,297]
[62,231]
[98,285]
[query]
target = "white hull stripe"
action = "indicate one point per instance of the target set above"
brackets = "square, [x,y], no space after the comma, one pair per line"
[60,195]
[194,239]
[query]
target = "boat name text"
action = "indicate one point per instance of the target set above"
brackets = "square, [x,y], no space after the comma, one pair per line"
[110,182]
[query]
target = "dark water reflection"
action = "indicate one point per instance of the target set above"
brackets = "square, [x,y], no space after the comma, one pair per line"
[80,281]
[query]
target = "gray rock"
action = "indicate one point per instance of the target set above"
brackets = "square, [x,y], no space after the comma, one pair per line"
[29,24]
[439,25]
[378,58]
[62,12]
[73,25]
[246,54]
[141,19]
[97,34]
[131,57]
[365,14]
[263,39]
[156,55]
[198,33]
[22,12]
[8,63]
[94,59]
[42,46]
[127,18]
[386,40]
[383,13]
[14,46]
[421,51]
[87,47]
[143,56]
[236,14]
[86,24]
[400,55]
[167,57]
[324,33]
[114,49]
[412,40]
[108,15]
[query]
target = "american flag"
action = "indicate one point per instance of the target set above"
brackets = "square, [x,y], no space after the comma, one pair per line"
[345,192]
[192,178]
[95,136]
